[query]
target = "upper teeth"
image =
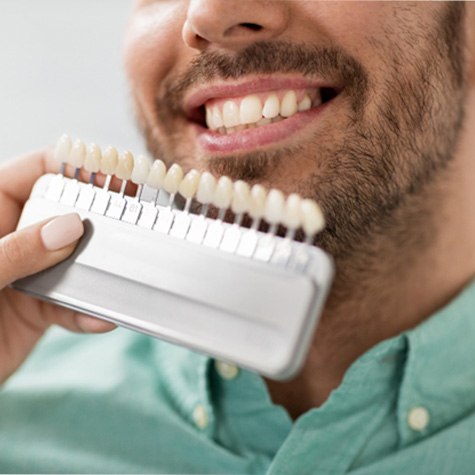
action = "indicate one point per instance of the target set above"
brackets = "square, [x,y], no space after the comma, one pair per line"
[225,115]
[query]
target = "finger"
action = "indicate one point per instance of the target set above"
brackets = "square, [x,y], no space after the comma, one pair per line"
[38,247]
[18,175]
[75,321]
[90,324]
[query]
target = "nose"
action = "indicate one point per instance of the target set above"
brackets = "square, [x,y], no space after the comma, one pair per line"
[233,24]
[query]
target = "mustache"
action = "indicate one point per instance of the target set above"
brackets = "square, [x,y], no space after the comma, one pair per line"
[269,57]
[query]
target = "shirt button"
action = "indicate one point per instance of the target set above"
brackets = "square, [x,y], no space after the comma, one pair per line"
[226,370]
[418,418]
[200,416]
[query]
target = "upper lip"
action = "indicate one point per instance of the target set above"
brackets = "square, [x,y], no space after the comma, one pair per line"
[199,96]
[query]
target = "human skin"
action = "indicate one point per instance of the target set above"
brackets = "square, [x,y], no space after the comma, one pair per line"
[390,159]
[23,319]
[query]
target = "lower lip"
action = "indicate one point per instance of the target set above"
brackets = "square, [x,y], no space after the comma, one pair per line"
[250,139]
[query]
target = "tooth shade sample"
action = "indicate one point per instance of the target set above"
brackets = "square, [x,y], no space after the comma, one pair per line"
[92,163]
[241,197]
[109,161]
[63,149]
[312,217]
[156,177]
[292,218]
[206,188]
[173,179]
[189,185]
[271,107]
[289,104]
[230,114]
[257,202]
[274,209]
[305,104]
[141,170]
[78,154]
[223,193]
[250,110]
[125,166]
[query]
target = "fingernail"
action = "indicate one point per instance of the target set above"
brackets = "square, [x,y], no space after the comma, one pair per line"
[62,231]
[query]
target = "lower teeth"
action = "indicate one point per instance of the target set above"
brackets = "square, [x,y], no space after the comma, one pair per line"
[239,128]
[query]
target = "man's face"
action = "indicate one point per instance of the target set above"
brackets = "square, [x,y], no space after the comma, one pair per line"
[380,88]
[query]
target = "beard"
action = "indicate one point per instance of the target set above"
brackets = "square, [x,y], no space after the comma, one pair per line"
[370,174]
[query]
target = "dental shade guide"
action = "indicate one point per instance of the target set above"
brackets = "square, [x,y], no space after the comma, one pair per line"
[160,267]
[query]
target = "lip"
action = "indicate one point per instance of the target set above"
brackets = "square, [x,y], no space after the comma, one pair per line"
[200,96]
[251,139]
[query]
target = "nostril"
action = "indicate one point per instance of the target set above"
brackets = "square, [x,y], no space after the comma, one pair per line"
[251,26]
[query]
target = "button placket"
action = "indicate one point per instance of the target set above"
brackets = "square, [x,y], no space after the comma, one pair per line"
[200,416]
[418,418]
[227,371]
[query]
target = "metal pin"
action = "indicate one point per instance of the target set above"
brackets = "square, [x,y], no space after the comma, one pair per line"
[107,183]
[218,223]
[237,224]
[287,242]
[92,178]
[138,195]
[238,219]
[290,235]
[255,224]
[171,200]
[157,194]
[122,188]
[204,210]
[202,217]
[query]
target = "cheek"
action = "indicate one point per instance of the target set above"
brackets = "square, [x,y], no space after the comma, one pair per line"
[368,31]
[152,46]
[347,24]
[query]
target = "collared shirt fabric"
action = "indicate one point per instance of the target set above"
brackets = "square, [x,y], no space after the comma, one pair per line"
[126,403]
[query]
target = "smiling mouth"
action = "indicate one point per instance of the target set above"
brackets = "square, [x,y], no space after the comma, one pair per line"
[231,115]
[260,112]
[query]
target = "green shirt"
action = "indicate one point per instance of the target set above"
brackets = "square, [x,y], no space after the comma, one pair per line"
[124,402]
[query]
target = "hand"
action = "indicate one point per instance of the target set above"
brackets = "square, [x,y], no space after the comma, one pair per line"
[23,320]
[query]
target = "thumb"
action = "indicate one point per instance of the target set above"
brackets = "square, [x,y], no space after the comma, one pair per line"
[38,247]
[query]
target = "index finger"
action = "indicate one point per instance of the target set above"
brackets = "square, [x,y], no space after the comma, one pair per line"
[18,175]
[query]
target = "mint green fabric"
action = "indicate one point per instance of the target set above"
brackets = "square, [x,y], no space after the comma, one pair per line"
[126,403]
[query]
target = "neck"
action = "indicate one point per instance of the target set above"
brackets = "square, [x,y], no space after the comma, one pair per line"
[395,280]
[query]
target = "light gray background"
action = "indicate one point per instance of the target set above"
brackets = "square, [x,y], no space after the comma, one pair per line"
[61,71]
